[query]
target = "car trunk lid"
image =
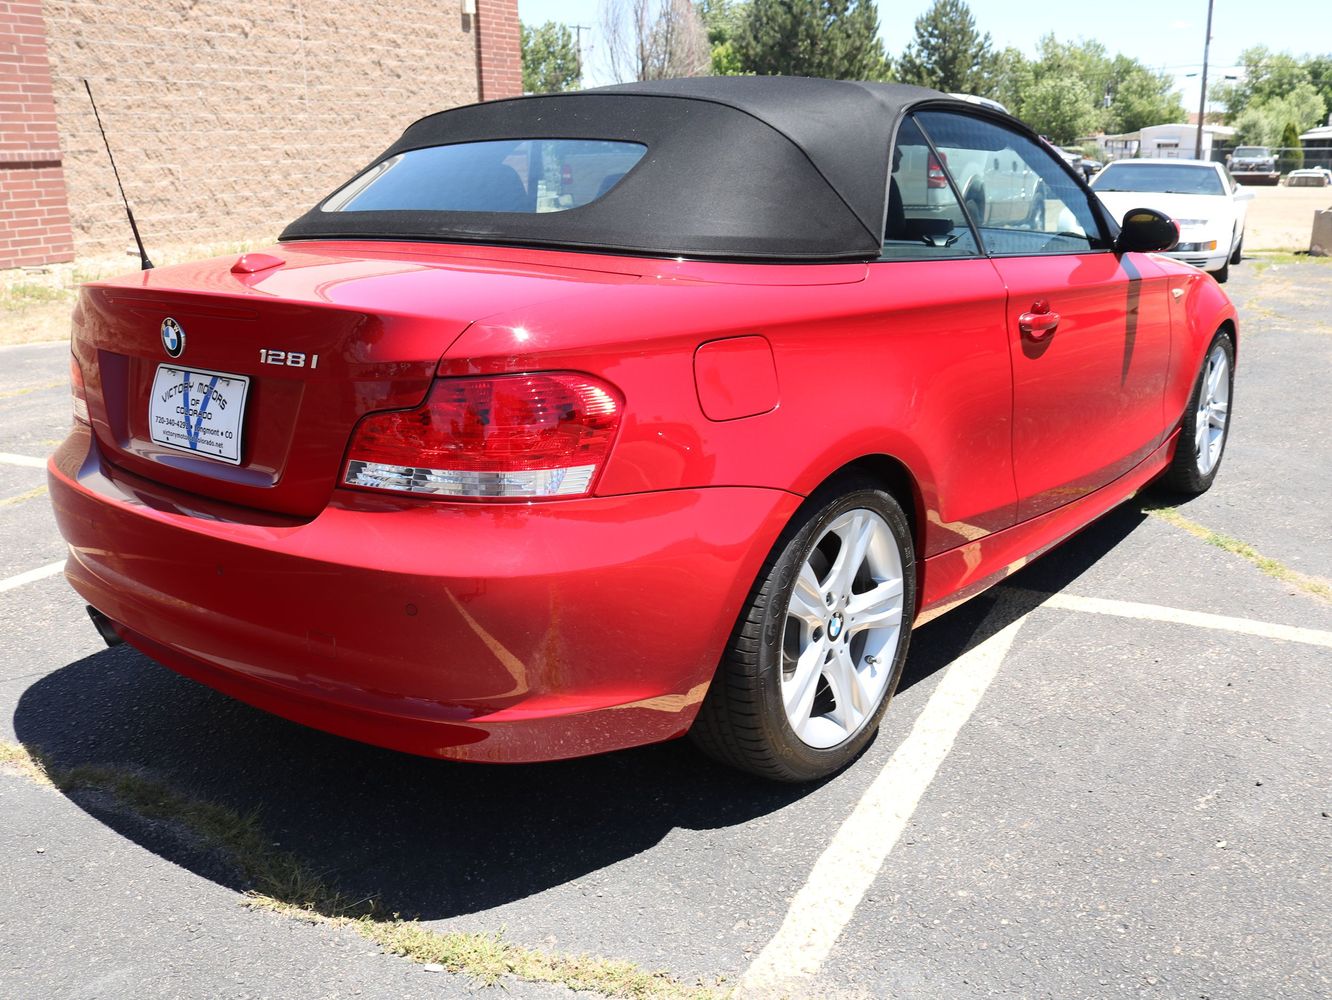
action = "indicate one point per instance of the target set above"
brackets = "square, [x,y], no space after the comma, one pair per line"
[295,353]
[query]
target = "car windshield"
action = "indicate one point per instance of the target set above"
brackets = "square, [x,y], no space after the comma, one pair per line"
[1251,151]
[1162,178]
[509,175]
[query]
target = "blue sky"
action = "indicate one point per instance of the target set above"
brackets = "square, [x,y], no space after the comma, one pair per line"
[1164,34]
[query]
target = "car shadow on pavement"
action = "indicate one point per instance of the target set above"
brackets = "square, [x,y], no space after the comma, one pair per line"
[428,838]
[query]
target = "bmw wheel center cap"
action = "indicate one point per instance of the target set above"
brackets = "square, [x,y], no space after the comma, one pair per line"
[835,625]
[173,337]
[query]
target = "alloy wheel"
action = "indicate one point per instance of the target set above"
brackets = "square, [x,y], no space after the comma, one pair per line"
[841,629]
[1213,410]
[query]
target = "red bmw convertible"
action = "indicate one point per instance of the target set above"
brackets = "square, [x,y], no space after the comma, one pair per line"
[583,421]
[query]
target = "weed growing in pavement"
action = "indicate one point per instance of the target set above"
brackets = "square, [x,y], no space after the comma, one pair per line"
[1261,262]
[281,883]
[1313,586]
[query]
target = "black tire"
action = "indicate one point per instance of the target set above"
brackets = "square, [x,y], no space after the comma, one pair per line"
[1238,255]
[975,203]
[1036,217]
[1185,476]
[1223,275]
[743,721]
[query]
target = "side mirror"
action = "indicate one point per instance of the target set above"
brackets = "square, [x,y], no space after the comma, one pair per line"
[1243,195]
[1145,230]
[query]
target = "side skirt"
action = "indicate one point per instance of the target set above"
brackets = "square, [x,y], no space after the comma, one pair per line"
[954,577]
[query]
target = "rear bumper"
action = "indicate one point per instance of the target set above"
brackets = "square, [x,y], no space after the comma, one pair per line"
[498,633]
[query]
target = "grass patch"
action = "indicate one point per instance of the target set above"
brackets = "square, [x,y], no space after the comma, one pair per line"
[282,883]
[488,958]
[1261,261]
[22,294]
[1272,567]
[15,759]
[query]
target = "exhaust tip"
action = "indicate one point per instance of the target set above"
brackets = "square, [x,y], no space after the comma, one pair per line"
[106,628]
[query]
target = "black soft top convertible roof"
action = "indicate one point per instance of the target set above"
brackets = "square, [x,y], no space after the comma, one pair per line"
[766,168]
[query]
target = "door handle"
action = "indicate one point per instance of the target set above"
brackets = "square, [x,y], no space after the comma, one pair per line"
[1040,322]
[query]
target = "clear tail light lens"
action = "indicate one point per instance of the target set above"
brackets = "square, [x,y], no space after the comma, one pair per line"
[506,437]
[78,391]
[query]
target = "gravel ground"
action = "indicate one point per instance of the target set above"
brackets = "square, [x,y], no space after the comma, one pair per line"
[1281,218]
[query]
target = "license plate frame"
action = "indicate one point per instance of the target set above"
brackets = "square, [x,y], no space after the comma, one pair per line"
[194,427]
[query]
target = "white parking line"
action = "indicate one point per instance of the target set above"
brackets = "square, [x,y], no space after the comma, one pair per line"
[28,463]
[823,907]
[32,576]
[841,877]
[1199,619]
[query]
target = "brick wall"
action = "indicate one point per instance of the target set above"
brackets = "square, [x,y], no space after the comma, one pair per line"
[499,49]
[34,218]
[229,120]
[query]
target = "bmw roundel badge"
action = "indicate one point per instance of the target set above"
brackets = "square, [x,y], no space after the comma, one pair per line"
[173,337]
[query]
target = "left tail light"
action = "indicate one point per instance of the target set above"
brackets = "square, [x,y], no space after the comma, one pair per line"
[78,391]
[498,438]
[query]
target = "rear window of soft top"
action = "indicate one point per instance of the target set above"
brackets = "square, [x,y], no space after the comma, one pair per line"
[503,175]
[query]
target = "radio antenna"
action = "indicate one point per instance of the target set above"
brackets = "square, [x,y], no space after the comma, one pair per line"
[146,264]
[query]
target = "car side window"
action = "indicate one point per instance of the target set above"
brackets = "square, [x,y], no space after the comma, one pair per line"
[1028,204]
[925,221]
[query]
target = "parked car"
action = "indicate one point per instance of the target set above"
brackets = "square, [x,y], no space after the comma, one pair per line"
[1199,195]
[470,471]
[1253,165]
[1309,177]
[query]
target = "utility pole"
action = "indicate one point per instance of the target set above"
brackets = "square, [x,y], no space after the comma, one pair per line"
[578,43]
[1202,101]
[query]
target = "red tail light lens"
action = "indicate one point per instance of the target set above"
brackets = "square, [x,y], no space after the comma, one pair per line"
[511,436]
[78,391]
[934,166]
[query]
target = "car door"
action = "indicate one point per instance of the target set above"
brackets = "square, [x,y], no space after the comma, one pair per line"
[1088,330]
[939,338]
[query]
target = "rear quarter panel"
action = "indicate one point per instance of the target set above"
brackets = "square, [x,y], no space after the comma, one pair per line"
[909,361]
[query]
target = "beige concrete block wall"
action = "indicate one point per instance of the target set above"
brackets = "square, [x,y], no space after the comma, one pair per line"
[229,120]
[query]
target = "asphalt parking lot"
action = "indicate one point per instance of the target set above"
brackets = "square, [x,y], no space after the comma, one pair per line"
[1110,776]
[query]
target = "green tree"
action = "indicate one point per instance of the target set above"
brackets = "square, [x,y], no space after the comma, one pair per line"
[1116,93]
[1319,69]
[1292,155]
[838,39]
[948,52]
[1265,75]
[1263,122]
[1061,109]
[1011,79]
[723,20]
[1139,98]
[551,61]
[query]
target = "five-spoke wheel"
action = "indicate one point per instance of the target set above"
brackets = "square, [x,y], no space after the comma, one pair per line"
[818,652]
[841,629]
[1202,437]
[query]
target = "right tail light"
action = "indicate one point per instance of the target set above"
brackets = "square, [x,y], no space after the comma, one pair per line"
[506,437]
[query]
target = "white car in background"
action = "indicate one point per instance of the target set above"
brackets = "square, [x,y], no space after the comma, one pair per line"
[1202,198]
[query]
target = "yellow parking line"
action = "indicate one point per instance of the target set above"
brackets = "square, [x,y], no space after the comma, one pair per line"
[19,498]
